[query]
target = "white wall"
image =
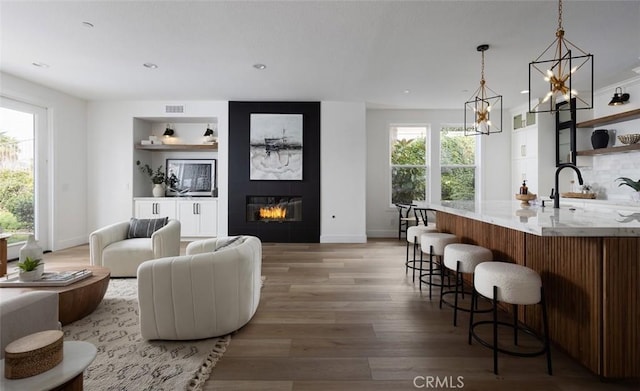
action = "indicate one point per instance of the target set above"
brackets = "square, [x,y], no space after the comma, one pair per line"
[67,127]
[343,172]
[494,157]
[111,155]
[601,171]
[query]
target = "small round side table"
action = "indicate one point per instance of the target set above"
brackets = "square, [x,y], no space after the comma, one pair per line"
[76,357]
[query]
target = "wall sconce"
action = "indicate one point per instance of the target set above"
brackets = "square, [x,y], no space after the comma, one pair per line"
[208,132]
[619,98]
[168,132]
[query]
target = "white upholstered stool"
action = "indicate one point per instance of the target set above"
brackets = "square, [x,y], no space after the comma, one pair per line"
[434,243]
[413,236]
[511,284]
[461,258]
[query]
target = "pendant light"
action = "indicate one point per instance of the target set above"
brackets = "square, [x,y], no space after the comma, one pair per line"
[485,110]
[562,72]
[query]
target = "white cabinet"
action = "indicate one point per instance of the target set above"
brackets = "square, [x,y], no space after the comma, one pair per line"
[198,217]
[532,151]
[153,208]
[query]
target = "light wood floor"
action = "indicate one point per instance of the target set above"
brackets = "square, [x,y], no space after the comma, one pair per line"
[345,317]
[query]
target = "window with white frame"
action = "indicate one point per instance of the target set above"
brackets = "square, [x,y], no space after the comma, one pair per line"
[408,163]
[457,164]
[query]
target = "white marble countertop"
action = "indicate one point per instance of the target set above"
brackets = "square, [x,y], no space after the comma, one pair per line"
[571,219]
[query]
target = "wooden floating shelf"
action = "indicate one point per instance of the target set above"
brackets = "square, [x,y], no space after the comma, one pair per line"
[610,119]
[178,147]
[604,151]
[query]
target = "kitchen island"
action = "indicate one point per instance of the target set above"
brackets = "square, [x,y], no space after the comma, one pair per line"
[589,261]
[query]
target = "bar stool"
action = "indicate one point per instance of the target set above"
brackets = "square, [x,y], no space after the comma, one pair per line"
[511,284]
[462,258]
[434,243]
[413,236]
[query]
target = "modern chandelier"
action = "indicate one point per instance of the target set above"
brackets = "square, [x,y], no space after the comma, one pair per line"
[482,107]
[562,72]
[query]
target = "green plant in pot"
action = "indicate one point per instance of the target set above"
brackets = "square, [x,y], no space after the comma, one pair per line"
[157,177]
[30,269]
[635,185]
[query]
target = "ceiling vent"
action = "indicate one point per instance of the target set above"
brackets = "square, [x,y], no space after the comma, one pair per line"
[174,109]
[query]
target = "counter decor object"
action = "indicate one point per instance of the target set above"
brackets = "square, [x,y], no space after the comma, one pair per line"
[33,354]
[600,138]
[588,196]
[30,269]
[525,198]
[629,138]
[31,249]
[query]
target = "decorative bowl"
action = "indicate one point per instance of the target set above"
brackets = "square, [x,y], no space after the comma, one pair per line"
[525,198]
[629,138]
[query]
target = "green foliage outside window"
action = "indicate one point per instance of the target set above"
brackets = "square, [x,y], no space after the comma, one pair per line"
[408,182]
[456,152]
[16,193]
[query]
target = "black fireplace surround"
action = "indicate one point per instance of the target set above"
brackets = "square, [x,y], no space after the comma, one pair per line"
[302,224]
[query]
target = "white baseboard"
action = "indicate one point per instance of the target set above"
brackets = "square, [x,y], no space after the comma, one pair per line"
[71,242]
[343,239]
[383,233]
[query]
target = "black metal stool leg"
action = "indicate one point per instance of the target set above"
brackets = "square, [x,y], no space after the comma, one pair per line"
[406,259]
[420,271]
[455,299]
[495,330]
[474,298]
[430,269]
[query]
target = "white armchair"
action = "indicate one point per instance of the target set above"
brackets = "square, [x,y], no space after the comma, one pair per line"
[110,248]
[211,291]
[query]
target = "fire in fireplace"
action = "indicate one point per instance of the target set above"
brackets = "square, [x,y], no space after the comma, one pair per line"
[274,208]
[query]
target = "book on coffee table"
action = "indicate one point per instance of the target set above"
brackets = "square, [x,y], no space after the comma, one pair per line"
[48,279]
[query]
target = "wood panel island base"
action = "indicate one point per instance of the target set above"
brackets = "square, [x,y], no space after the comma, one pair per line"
[590,269]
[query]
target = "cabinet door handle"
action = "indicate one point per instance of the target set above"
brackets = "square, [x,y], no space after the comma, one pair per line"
[523,150]
[198,208]
[154,209]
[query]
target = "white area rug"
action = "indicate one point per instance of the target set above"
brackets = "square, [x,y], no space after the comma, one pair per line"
[126,362]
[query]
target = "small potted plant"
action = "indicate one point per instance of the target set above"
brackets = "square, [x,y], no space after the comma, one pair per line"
[586,189]
[30,269]
[635,185]
[157,177]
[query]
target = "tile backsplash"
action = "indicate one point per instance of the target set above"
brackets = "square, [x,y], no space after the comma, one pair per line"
[602,174]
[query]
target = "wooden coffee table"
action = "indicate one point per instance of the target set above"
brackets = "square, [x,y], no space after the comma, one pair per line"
[77,300]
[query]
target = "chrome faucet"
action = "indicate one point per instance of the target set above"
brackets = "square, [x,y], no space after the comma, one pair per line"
[556,197]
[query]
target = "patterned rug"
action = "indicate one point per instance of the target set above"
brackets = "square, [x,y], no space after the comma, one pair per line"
[126,362]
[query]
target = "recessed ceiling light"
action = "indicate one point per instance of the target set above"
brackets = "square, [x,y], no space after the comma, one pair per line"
[87,24]
[406,91]
[524,91]
[259,66]
[40,65]
[150,65]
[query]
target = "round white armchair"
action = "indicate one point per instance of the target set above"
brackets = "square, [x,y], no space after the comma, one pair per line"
[211,291]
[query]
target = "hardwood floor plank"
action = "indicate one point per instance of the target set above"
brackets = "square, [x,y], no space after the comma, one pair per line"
[293,368]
